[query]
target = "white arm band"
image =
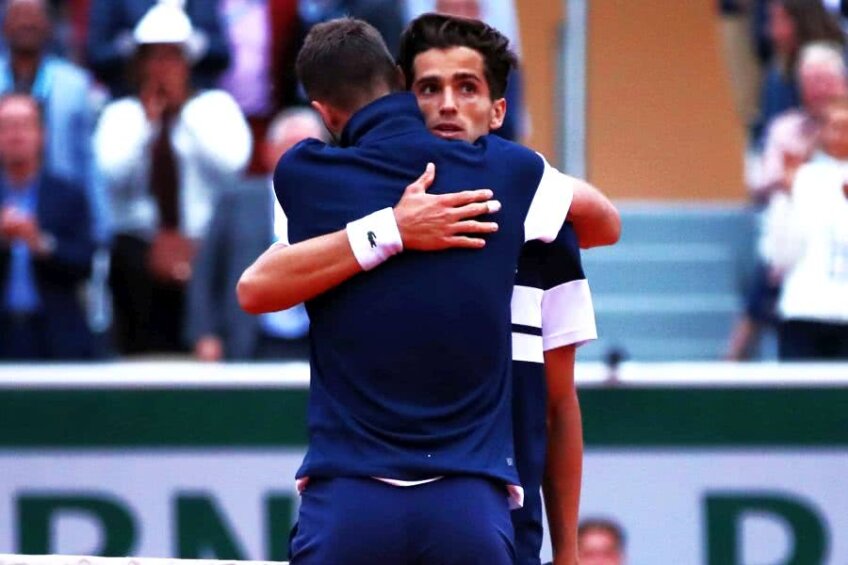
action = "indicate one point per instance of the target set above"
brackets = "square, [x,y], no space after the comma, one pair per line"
[374,238]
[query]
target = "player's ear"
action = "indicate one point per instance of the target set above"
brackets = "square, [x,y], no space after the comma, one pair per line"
[497,114]
[323,111]
[331,117]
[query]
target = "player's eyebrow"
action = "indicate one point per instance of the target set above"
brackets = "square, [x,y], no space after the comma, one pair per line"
[467,75]
[432,77]
[459,75]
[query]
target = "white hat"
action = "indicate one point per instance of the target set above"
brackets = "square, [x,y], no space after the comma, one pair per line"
[166,22]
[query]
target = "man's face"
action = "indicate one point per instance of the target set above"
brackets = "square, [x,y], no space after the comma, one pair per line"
[821,84]
[165,64]
[26,26]
[781,28]
[598,547]
[453,94]
[20,131]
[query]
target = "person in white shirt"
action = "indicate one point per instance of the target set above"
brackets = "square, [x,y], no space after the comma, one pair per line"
[165,154]
[806,240]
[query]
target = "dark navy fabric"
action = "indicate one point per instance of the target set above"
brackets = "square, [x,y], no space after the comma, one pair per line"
[62,211]
[410,361]
[452,521]
[542,266]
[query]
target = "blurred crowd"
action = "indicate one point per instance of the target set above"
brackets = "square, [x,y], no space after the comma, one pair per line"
[798,178]
[137,142]
[137,139]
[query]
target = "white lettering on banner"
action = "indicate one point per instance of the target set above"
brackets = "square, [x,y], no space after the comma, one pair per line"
[677,507]
[661,499]
[149,488]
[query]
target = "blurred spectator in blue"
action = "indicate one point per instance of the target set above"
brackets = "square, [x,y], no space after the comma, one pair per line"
[244,225]
[111,45]
[783,27]
[806,241]
[166,153]
[64,92]
[791,139]
[62,41]
[500,14]
[45,245]
[600,542]
[385,15]
[264,36]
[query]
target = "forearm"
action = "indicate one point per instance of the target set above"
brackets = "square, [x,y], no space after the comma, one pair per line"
[287,275]
[563,475]
[595,218]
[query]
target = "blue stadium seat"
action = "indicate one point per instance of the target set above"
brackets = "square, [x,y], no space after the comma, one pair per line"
[673,286]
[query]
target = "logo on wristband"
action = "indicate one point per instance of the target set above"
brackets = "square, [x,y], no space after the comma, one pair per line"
[372,239]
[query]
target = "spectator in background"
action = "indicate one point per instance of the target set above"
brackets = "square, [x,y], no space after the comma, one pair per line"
[166,153]
[600,542]
[111,46]
[243,226]
[790,141]
[806,240]
[502,16]
[385,15]
[793,135]
[263,36]
[63,92]
[784,27]
[45,245]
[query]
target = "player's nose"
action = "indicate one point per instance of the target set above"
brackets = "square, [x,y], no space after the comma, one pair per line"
[448,102]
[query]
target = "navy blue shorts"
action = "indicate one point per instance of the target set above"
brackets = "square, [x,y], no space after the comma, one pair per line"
[455,520]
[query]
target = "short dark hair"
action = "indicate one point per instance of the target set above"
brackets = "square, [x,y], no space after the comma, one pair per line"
[605,525]
[437,31]
[344,62]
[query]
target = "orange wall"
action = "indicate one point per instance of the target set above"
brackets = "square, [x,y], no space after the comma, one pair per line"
[660,119]
[540,21]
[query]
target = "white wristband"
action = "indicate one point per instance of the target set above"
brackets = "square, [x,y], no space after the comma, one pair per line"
[374,238]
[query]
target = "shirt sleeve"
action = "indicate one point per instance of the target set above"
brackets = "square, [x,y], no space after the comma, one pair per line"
[218,132]
[568,315]
[120,139]
[549,206]
[281,222]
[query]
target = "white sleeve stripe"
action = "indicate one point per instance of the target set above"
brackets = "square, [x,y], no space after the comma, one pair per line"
[527,306]
[281,222]
[527,348]
[549,206]
[567,313]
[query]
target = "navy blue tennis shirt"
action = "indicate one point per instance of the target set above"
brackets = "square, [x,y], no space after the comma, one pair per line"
[410,363]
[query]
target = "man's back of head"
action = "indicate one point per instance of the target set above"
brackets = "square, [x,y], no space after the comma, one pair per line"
[345,64]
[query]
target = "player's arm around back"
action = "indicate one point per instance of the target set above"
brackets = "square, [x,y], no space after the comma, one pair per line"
[596,220]
[593,216]
[286,275]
